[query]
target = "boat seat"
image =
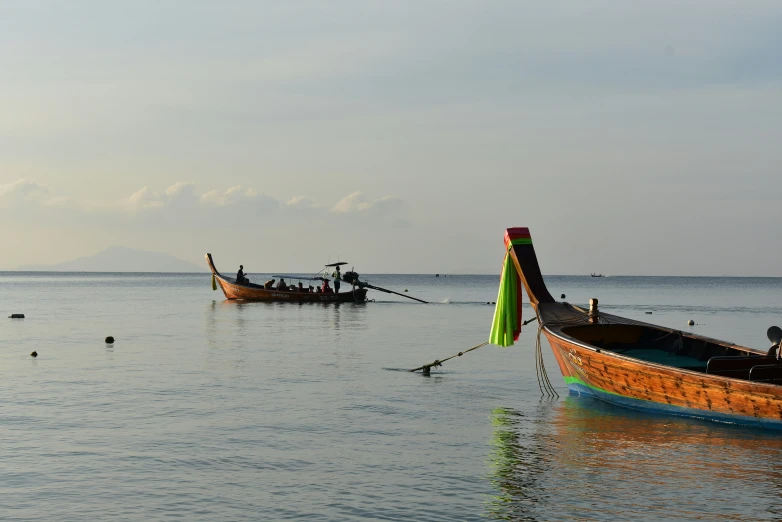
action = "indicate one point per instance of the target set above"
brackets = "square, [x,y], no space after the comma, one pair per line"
[737,367]
[771,373]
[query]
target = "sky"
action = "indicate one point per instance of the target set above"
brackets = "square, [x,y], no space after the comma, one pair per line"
[630,137]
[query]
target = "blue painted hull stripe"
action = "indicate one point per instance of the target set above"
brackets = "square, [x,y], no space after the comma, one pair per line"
[668,409]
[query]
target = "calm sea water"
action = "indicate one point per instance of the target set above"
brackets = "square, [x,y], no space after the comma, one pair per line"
[206,409]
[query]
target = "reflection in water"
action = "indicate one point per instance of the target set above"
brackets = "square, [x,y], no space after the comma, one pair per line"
[211,324]
[251,326]
[336,316]
[587,459]
[517,462]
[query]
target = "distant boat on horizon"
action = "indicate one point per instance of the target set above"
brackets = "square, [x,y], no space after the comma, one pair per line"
[598,275]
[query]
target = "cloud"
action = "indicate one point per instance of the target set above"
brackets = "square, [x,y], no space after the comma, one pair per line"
[232,196]
[183,202]
[182,205]
[301,202]
[144,198]
[180,193]
[358,202]
[181,190]
[28,191]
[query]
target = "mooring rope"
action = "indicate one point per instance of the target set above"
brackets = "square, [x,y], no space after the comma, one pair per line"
[439,362]
[544,383]
[427,367]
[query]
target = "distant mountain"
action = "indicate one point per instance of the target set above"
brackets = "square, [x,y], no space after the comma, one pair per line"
[121,259]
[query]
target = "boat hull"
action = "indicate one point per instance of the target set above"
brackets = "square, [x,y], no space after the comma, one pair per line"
[252,292]
[249,293]
[647,367]
[640,385]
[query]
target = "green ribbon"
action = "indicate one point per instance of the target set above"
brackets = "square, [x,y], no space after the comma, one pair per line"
[506,325]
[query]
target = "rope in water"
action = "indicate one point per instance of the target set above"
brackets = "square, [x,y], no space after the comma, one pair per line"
[546,388]
[544,383]
[427,367]
[439,362]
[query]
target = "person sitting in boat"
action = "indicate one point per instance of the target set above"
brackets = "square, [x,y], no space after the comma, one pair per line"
[269,284]
[317,289]
[240,279]
[326,288]
[301,287]
[282,285]
[310,289]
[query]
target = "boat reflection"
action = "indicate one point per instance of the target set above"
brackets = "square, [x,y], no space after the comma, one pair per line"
[581,458]
[518,462]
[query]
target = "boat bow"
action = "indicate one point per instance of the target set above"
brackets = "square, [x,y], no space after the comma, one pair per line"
[643,366]
[518,244]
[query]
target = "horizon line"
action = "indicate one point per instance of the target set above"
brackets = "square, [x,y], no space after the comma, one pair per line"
[432,274]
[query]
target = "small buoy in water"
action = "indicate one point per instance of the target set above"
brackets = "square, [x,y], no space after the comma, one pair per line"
[109,340]
[690,322]
[650,313]
[562,296]
[494,302]
[34,354]
[405,289]
[16,316]
[488,302]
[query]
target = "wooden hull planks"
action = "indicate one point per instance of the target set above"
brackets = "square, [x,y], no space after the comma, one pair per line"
[586,351]
[251,292]
[655,388]
[234,291]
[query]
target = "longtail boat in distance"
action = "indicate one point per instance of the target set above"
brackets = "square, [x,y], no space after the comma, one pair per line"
[634,364]
[255,292]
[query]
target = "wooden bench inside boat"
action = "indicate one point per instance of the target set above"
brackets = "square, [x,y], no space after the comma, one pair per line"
[738,367]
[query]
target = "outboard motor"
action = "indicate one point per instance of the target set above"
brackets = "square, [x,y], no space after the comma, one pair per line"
[350,277]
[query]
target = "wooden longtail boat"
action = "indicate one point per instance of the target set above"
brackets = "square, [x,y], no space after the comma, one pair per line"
[254,292]
[643,366]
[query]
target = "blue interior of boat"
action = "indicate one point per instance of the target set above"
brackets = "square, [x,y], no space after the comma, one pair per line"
[657,356]
[655,345]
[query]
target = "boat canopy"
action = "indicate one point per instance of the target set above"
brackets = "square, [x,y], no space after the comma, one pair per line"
[308,278]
